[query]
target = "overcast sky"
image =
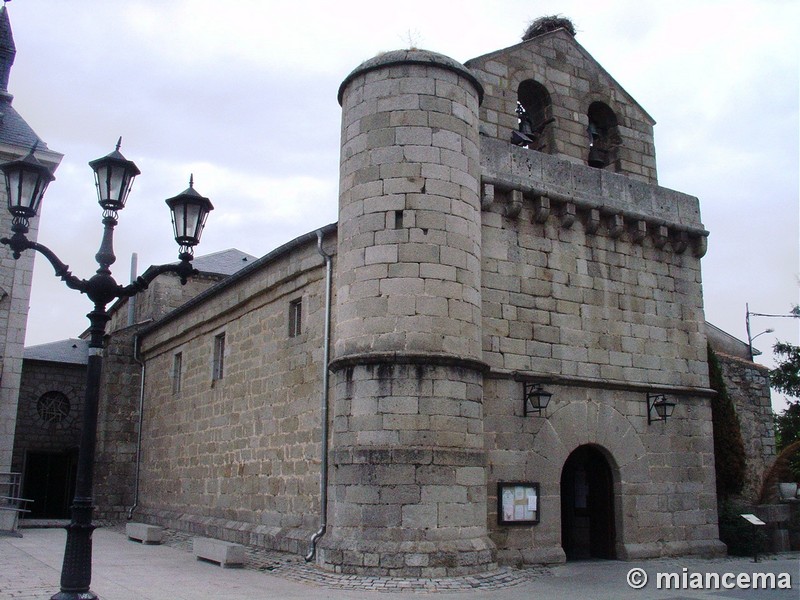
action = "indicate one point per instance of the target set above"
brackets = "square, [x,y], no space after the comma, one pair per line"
[242,93]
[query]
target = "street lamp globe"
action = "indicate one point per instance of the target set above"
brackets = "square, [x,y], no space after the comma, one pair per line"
[26,181]
[113,176]
[189,213]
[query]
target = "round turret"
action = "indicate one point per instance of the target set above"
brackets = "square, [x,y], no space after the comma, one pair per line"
[408,477]
[409,226]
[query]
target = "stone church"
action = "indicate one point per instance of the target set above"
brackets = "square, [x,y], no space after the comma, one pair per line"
[498,355]
[471,269]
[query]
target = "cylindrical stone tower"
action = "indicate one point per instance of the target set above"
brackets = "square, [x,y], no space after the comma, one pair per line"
[408,466]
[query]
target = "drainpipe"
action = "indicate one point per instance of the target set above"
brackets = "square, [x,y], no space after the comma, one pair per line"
[323,475]
[138,359]
[132,299]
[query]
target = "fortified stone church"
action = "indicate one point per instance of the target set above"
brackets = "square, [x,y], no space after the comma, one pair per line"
[373,394]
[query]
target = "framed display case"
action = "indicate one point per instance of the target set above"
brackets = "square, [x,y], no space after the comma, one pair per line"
[517,503]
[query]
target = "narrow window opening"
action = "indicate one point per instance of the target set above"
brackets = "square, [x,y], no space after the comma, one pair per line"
[398,219]
[177,368]
[219,357]
[295,317]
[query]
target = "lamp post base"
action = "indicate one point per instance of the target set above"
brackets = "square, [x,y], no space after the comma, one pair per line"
[76,572]
[90,595]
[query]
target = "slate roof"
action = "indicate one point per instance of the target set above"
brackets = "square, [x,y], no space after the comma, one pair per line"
[722,341]
[13,128]
[224,262]
[15,131]
[71,351]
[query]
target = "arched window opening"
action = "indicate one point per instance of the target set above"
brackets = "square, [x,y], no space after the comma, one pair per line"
[534,114]
[603,135]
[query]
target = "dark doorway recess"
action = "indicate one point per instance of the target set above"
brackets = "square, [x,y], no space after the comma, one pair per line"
[50,483]
[587,505]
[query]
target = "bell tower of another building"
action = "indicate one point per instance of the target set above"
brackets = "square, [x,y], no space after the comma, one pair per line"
[16,140]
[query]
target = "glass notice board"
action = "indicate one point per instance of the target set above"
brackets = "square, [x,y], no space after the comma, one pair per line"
[517,503]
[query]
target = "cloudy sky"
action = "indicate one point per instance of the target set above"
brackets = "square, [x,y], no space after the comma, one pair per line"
[242,93]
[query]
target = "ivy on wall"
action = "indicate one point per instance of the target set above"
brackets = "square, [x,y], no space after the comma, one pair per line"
[729,453]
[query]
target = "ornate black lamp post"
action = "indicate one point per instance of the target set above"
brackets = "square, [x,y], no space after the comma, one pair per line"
[26,181]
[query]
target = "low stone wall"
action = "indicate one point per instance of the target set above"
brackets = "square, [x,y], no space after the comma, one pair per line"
[782,530]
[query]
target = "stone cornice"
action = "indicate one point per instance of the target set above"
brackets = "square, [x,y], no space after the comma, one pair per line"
[408,358]
[604,384]
[605,202]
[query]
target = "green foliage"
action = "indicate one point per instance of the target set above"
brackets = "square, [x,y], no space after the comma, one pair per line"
[786,376]
[787,426]
[729,454]
[741,537]
[787,431]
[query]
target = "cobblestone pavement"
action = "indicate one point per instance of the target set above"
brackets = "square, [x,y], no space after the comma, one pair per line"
[294,567]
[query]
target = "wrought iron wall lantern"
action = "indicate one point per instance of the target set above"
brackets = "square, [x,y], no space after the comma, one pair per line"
[535,398]
[662,407]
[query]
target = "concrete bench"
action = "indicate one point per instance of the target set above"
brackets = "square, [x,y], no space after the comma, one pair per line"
[147,534]
[227,554]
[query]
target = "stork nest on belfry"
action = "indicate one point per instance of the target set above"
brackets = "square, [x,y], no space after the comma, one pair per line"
[546,25]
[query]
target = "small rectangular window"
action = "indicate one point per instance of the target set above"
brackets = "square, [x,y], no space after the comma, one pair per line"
[398,219]
[219,356]
[295,317]
[177,367]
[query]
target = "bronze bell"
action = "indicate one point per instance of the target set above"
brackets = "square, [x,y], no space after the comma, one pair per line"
[596,158]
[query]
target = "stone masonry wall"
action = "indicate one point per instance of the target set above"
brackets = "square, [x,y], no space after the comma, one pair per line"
[33,432]
[409,233]
[239,457]
[592,286]
[117,427]
[573,80]
[664,493]
[408,464]
[16,276]
[15,289]
[408,479]
[163,295]
[748,388]
[588,275]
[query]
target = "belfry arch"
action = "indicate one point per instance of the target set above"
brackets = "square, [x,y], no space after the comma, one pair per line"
[604,137]
[535,113]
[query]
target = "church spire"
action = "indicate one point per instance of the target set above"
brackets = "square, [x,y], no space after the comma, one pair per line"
[7,48]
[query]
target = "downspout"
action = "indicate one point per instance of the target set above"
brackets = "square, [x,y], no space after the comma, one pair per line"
[132,299]
[323,474]
[138,359]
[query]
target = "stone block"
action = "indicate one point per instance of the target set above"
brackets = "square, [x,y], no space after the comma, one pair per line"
[227,554]
[147,534]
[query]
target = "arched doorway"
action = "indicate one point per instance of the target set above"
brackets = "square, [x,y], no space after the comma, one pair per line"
[587,505]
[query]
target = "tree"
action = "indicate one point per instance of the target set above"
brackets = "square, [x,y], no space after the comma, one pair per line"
[787,426]
[786,376]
